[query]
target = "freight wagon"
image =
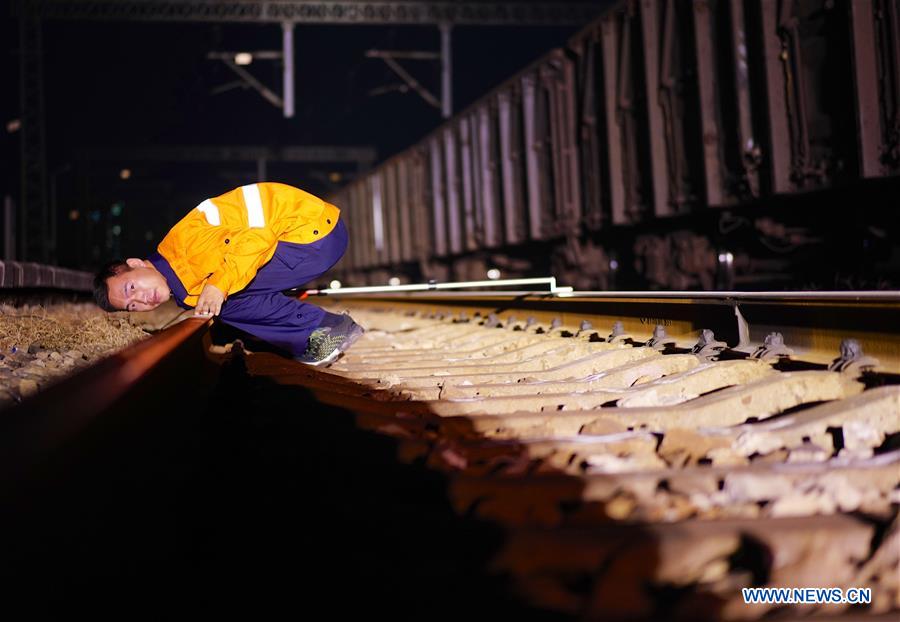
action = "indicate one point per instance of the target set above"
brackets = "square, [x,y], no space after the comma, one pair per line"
[669,144]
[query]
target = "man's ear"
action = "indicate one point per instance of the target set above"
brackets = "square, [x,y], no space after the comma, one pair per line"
[134,262]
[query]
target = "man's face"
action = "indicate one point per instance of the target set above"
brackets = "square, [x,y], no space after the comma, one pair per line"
[140,289]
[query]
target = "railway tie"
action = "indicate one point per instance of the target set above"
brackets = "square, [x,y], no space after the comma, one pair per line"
[629,476]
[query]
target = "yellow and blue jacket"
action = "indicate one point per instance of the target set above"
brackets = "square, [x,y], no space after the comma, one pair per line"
[226,239]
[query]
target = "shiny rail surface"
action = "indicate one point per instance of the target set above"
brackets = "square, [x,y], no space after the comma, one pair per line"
[34,431]
[634,474]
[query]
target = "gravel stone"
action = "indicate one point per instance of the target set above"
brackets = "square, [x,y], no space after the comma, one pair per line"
[40,345]
[27,387]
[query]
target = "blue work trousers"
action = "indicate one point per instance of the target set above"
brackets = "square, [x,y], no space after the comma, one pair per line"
[263,311]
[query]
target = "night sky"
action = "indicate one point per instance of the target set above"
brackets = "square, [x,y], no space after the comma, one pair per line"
[126,84]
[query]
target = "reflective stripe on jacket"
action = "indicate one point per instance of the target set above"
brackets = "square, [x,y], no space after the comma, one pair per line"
[226,239]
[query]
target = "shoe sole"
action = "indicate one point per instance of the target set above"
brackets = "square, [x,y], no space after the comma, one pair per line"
[328,359]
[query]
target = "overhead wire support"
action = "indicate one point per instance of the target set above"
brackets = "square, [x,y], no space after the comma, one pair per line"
[445,104]
[263,90]
[250,80]
[407,54]
[255,55]
[388,58]
[346,12]
[232,60]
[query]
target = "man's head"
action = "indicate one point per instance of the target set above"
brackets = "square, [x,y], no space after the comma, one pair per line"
[130,285]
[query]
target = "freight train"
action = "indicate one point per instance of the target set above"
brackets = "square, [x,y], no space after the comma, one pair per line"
[669,145]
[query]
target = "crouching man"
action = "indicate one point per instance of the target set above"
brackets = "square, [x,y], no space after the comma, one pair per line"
[233,256]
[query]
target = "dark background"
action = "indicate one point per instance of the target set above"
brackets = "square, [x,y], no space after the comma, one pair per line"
[124,85]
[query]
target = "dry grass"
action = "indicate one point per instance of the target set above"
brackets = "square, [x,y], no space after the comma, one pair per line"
[82,327]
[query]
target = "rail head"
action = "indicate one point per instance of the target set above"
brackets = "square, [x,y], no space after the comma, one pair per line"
[33,430]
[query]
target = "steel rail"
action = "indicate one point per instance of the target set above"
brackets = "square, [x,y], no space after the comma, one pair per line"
[549,281]
[862,295]
[726,297]
[31,432]
[814,324]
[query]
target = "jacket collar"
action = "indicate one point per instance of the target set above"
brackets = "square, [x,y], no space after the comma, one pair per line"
[178,290]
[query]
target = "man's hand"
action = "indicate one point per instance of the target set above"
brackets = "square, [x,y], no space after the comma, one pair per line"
[210,301]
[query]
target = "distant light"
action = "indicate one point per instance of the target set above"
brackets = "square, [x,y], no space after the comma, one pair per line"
[116,209]
[73,215]
[726,257]
[125,173]
[117,229]
[335,284]
[14,125]
[95,216]
[335,177]
[394,281]
[148,235]
[721,257]
[493,274]
[613,264]
[243,58]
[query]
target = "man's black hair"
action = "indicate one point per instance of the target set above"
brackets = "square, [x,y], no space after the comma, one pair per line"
[101,289]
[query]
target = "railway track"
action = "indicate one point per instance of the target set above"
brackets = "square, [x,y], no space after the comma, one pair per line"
[631,464]
[638,466]
[37,431]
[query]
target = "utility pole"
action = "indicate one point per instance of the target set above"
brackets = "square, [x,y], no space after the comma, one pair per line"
[287,39]
[446,72]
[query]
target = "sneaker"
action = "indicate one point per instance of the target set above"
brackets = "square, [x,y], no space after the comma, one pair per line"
[326,343]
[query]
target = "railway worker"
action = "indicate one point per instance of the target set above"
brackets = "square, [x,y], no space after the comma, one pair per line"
[232,256]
